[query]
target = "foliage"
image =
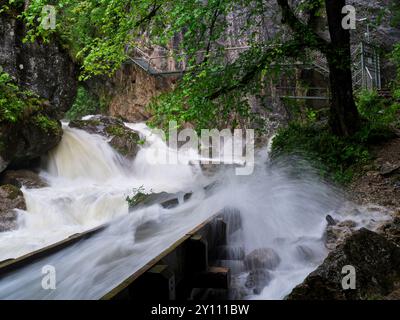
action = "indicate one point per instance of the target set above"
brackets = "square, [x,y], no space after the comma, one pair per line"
[84,104]
[15,103]
[395,55]
[335,157]
[394,8]
[140,195]
[376,109]
[97,32]
[46,124]
[340,157]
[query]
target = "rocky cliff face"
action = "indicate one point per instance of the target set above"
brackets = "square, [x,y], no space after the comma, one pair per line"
[376,260]
[45,69]
[129,91]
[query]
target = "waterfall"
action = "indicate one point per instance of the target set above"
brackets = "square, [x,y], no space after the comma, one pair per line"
[281,208]
[81,155]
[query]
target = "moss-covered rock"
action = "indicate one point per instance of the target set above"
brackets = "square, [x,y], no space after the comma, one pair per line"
[19,178]
[26,140]
[122,139]
[28,128]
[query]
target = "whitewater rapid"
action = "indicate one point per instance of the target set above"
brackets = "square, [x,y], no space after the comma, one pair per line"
[89,182]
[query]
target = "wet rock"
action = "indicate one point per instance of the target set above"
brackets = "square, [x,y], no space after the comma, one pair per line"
[166,200]
[330,220]
[3,164]
[44,68]
[305,253]
[257,280]
[391,230]
[263,258]
[388,169]
[122,139]
[10,198]
[375,259]
[394,295]
[23,142]
[335,234]
[19,178]
[97,124]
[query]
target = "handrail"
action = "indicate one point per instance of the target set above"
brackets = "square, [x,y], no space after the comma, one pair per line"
[318,62]
[369,73]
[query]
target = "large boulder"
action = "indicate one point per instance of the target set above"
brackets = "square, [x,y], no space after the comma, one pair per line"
[10,198]
[122,139]
[262,258]
[19,178]
[377,264]
[23,142]
[257,280]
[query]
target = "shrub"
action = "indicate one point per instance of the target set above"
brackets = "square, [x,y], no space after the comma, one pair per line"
[85,104]
[333,156]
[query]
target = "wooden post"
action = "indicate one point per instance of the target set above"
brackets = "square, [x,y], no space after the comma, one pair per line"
[157,283]
[196,254]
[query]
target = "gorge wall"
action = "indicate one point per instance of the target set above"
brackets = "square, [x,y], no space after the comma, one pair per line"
[45,69]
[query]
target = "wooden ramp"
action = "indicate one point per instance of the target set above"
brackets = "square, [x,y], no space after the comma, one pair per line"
[173,274]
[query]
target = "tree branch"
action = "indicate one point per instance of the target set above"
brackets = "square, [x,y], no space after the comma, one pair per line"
[288,49]
[150,15]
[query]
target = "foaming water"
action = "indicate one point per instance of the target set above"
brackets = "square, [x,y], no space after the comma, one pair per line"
[283,206]
[88,185]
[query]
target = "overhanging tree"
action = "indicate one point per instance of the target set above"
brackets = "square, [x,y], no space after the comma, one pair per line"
[212,90]
[344,117]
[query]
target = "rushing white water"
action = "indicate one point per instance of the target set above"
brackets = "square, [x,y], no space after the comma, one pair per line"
[88,186]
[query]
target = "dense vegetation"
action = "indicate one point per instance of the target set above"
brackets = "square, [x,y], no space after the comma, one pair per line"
[97,33]
[340,158]
[85,104]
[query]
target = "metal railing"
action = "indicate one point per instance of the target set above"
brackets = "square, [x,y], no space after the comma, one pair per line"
[365,65]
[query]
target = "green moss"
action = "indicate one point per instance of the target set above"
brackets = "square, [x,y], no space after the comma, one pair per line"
[15,103]
[92,122]
[116,130]
[46,124]
[12,191]
[122,150]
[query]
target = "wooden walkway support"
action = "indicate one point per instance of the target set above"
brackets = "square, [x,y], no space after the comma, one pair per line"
[186,266]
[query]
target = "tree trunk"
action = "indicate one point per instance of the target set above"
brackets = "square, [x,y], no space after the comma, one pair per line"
[344,117]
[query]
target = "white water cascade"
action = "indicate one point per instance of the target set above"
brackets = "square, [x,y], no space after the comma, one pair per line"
[88,184]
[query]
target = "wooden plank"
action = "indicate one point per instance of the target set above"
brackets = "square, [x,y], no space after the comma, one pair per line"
[128,281]
[10,265]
